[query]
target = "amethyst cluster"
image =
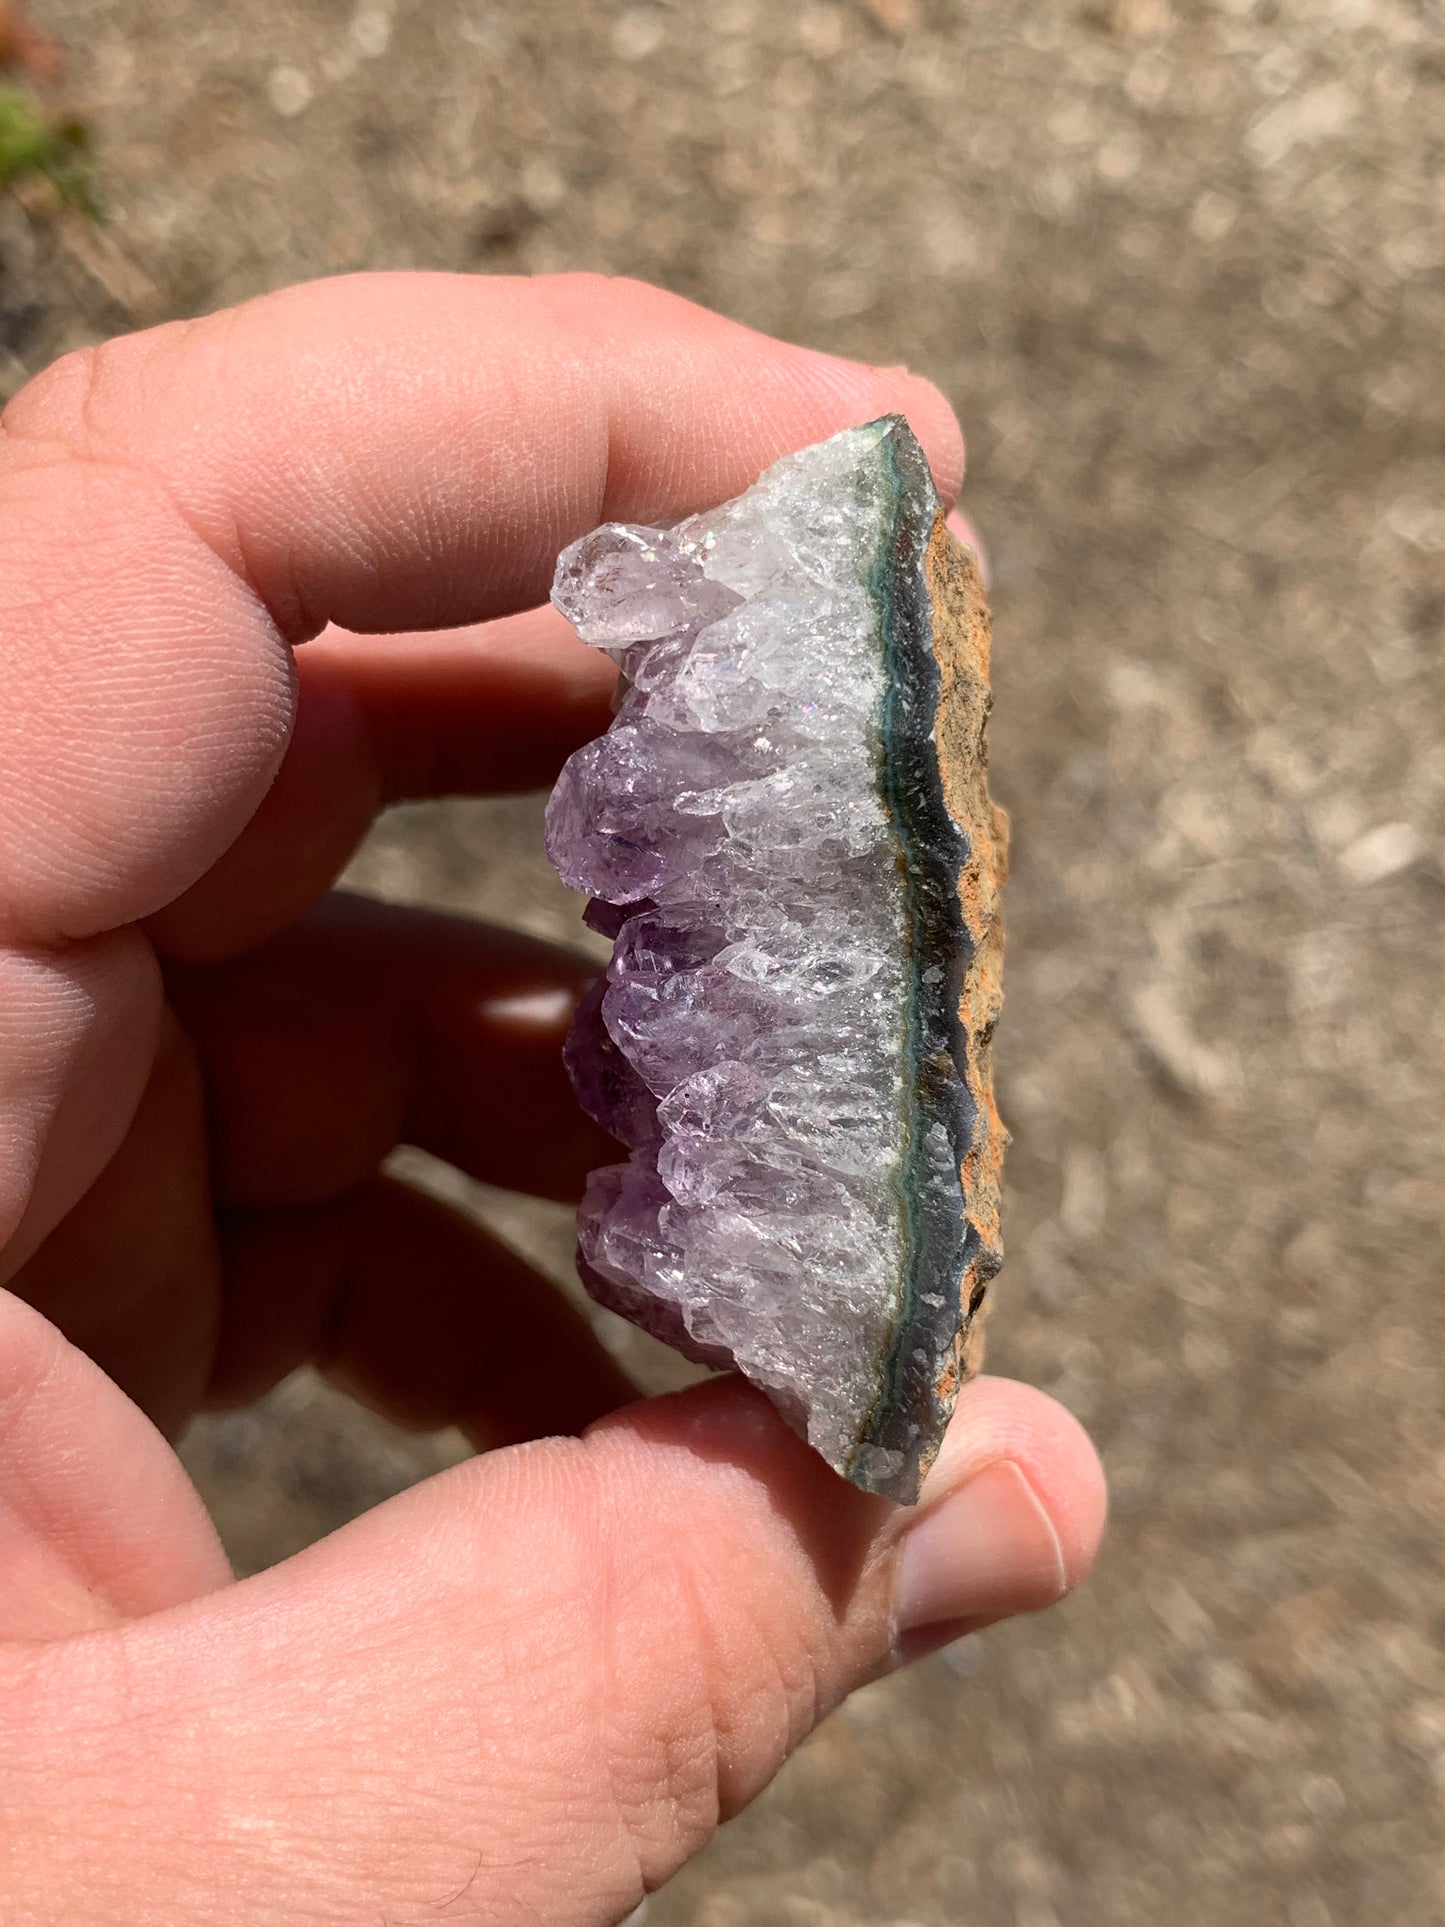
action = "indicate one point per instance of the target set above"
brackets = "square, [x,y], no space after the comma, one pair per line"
[786,834]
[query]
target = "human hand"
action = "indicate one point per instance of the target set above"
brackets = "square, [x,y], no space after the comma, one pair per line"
[527,1689]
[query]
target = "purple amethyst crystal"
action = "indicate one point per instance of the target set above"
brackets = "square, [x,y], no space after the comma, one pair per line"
[786,831]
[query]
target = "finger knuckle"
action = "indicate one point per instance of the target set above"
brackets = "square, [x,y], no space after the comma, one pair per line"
[50,403]
[72,402]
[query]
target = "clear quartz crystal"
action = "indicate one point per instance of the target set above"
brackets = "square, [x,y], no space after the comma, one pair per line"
[749,1042]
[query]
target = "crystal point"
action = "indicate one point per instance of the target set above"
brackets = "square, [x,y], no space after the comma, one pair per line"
[788,835]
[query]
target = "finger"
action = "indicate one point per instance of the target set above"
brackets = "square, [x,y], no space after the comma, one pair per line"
[384,719]
[367,1025]
[383,452]
[97,1520]
[78,1028]
[533,1686]
[416,1311]
[490,710]
[132,1274]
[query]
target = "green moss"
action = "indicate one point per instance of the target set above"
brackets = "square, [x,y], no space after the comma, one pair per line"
[31,142]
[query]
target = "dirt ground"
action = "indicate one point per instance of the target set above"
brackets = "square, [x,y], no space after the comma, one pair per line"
[1181,266]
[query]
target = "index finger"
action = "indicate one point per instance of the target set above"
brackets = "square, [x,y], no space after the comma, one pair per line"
[383,452]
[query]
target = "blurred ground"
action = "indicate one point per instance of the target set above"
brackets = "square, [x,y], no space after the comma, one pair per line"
[1182,268]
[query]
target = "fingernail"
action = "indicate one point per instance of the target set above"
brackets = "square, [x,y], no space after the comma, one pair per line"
[983,1552]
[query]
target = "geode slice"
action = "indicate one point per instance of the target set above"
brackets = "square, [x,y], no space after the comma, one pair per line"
[788,835]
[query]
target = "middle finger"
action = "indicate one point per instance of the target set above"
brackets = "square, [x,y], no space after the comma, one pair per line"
[365,1025]
[488,710]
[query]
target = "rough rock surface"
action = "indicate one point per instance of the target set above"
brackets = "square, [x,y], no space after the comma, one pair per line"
[787,832]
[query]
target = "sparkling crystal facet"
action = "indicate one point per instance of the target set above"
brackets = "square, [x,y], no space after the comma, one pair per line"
[787,833]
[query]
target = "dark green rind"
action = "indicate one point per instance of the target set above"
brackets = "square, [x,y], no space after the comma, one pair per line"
[903,1430]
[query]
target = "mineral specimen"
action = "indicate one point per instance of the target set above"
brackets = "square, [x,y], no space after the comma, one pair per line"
[787,833]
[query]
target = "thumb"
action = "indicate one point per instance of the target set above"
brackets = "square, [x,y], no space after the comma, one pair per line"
[531,1688]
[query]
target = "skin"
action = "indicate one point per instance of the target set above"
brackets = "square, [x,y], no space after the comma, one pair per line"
[530,1688]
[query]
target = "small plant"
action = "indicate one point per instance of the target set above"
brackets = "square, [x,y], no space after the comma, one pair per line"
[31,142]
[34,139]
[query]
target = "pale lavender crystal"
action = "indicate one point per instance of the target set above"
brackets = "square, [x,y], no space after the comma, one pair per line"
[756,1041]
